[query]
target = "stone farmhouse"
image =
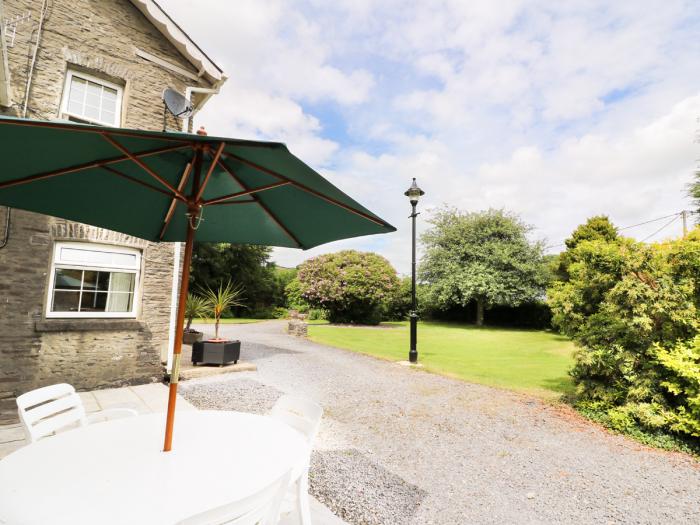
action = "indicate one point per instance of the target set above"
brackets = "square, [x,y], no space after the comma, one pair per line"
[81,304]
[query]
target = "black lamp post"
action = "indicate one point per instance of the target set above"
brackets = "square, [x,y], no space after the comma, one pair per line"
[414,194]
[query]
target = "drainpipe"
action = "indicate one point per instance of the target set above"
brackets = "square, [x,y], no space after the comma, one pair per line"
[34,54]
[208,91]
[173,307]
[5,85]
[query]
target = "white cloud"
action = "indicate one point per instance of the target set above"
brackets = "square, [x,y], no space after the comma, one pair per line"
[276,60]
[636,175]
[557,111]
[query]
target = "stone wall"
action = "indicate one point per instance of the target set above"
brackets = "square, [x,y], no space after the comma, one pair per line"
[99,37]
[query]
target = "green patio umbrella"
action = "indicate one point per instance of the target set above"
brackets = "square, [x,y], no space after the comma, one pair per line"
[175,187]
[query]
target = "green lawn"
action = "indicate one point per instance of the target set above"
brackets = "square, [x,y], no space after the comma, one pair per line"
[237,320]
[524,360]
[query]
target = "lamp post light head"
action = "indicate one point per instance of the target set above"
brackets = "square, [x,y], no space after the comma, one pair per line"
[414,193]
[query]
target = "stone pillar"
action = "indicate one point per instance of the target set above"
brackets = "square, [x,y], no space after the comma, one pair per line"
[297,324]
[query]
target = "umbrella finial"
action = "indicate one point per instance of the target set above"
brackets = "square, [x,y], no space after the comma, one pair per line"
[202,131]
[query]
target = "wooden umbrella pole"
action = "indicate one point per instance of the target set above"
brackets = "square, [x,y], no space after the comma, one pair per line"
[177,349]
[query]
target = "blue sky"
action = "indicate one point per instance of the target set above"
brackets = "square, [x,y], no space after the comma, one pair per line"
[553,110]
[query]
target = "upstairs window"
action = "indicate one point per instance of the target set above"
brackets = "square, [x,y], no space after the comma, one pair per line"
[93,280]
[90,99]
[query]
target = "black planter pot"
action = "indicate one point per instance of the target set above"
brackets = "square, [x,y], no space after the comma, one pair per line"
[216,353]
[189,338]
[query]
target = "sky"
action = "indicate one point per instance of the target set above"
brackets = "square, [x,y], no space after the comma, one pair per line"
[555,111]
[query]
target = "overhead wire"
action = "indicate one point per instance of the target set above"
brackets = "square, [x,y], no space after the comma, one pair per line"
[672,216]
[674,219]
[677,214]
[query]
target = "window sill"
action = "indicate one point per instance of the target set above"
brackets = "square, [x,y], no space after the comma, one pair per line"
[87,325]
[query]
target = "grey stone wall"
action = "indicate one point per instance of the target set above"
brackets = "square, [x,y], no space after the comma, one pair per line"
[100,37]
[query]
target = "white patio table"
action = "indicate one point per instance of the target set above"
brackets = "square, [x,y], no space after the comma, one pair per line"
[115,473]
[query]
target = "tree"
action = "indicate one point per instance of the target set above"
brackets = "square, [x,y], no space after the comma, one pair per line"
[354,287]
[248,266]
[401,302]
[597,228]
[484,257]
[694,191]
[632,309]
[294,299]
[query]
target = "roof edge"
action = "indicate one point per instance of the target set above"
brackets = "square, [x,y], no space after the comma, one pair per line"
[181,40]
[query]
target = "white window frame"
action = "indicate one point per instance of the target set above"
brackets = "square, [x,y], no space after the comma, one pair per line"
[58,263]
[70,73]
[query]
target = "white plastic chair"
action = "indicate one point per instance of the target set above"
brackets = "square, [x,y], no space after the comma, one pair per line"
[262,508]
[304,416]
[45,411]
[300,413]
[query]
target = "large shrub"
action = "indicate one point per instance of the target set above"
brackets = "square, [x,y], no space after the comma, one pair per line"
[354,287]
[632,309]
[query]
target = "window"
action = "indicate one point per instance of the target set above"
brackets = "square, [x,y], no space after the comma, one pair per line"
[93,280]
[90,99]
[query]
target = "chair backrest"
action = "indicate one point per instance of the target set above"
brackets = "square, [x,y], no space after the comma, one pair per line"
[300,413]
[46,410]
[261,508]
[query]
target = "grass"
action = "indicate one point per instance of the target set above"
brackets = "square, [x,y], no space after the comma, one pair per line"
[316,321]
[534,362]
[236,320]
[530,361]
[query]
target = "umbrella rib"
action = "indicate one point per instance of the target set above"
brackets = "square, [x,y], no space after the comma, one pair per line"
[214,161]
[85,166]
[171,209]
[261,204]
[305,188]
[244,193]
[230,203]
[142,164]
[137,181]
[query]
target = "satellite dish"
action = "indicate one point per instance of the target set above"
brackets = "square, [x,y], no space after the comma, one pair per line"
[176,104]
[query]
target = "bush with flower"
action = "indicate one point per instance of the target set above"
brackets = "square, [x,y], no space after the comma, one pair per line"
[353,287]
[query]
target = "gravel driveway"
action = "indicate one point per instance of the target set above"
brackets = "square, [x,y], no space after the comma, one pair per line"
[401,446]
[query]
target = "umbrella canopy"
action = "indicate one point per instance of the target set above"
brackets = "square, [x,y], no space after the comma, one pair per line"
[175,187]
[142,183]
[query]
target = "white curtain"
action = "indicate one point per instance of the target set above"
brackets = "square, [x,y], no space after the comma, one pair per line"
[120,282]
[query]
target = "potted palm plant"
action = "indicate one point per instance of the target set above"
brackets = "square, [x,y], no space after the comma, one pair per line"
[195,307]
[219,351]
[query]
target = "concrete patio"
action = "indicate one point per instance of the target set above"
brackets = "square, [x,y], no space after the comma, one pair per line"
[145,399]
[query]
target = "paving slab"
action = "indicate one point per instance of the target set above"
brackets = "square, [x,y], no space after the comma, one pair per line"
[154,397]
[120,398]
[190,371]
[12,433]
[194,372]
[9,448]
[89,402]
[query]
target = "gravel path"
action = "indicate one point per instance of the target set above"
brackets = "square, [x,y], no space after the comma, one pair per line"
[401,446]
